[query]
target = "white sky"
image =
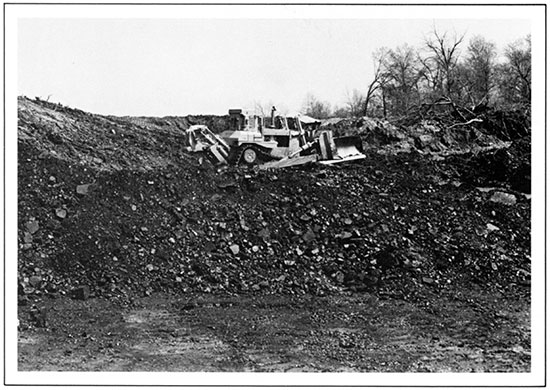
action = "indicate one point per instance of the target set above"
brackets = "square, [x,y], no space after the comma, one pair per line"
[189,66]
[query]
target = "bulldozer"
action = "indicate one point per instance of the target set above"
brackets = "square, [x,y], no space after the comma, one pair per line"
[271,142]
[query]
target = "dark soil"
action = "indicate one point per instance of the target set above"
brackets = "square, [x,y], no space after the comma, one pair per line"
[400,251]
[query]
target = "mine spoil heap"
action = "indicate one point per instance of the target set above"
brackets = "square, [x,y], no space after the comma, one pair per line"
[115,207]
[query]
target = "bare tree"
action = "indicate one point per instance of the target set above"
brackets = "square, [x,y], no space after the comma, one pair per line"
[401,74]
[354,103]
[260,108]
[518,64]
[316,108]
[442,61]
[480,66]
[378,79]
[404,77]
[263,108]
[340,112]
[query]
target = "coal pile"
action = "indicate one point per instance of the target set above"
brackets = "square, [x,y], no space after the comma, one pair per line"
[509,166]
[148,217]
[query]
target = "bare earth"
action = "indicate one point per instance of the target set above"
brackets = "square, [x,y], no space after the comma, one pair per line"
[457,332]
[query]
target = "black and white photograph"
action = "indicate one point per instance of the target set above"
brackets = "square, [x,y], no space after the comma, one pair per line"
[274,194]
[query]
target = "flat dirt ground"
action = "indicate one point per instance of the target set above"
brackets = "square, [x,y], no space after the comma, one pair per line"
[466,331]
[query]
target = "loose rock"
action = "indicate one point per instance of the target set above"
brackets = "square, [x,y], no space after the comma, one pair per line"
[492,228]
[234,249]
[27,237]
[35,281]
[81,293]
[83,189]
[503,198]
[61,213]
[32,226]
[427,280]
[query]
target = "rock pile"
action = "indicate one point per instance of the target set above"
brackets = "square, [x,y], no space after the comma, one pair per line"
[400,225]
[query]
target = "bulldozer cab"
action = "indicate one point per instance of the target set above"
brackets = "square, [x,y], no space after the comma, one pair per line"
[293,123]
[245,120]
[240,120]
[280,122]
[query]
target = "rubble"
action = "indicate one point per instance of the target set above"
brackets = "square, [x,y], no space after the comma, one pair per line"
[61,213]
[503,198]
[35,281]
[83,189]
[234,249]
[32,226]
[27,237]
[390,224]
[492,228]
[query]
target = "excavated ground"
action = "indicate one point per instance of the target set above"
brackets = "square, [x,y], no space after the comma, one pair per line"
[134,255]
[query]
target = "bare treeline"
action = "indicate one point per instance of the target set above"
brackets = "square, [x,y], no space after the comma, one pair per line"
[470,74]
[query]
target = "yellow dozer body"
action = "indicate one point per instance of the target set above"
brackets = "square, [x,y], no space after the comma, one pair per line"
[275,142]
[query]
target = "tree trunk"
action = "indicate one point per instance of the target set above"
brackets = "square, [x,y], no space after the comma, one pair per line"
[372,88]
[365,108]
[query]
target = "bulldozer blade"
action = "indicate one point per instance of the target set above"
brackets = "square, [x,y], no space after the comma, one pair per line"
[348,147]
[335,150]
[289,162]
[341,160]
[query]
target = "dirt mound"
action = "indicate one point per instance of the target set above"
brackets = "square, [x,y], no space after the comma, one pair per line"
[148,217]
[509,166]
[215,123]
[443,131]
[95,141]
[492,149]
[506,125]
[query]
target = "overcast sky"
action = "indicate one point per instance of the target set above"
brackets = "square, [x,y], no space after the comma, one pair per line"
[184,66]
